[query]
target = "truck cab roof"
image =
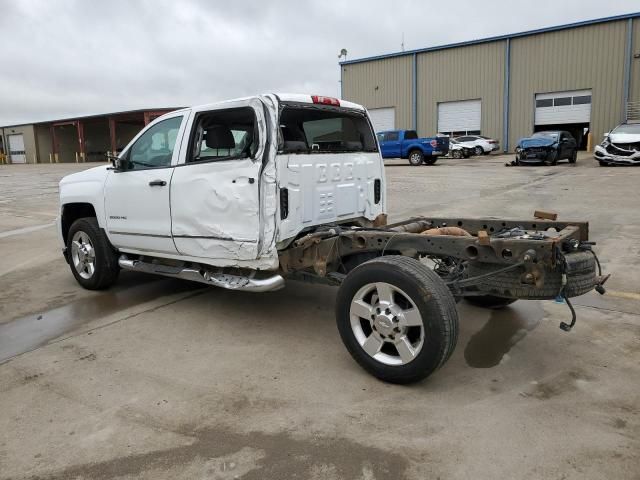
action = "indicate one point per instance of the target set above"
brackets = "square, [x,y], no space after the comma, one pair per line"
[281,98]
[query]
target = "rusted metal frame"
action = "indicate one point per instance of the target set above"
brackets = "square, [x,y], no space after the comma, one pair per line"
[325,255]
[494,225]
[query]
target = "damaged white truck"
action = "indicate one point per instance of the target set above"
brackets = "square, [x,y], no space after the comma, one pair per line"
[249,193]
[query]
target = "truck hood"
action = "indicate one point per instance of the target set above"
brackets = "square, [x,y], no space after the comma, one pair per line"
[537,142]
[624,138]
[95,174]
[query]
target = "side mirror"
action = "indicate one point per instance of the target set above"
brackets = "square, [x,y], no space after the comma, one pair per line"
[119,164]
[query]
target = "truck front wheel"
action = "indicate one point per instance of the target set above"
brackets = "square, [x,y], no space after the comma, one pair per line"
[416,158]
[93,261]
[397,318]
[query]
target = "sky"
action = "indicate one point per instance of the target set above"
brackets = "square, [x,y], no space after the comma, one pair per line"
[79,57]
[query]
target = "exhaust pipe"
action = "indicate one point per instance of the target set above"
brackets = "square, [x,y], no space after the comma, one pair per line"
[229,281]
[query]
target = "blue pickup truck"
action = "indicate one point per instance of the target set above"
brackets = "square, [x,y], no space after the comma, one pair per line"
[406,144]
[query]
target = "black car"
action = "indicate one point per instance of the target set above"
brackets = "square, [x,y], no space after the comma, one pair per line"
[547,147]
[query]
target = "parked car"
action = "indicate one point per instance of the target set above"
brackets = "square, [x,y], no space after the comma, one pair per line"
[407,144]
[481,145]
[621,146]
[547,147]
[458,150]
[249,193]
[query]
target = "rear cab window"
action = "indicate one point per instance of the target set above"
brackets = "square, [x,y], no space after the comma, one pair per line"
[306,128]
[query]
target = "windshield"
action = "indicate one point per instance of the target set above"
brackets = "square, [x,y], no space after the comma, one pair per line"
[325,129]
[553,135]
[632,129]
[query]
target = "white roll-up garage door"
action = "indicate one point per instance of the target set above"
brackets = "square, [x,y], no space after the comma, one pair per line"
[16,149]
[383,118]
[563,107]
[463,116]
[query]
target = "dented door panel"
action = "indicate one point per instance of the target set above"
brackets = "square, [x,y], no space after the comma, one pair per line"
[215,209]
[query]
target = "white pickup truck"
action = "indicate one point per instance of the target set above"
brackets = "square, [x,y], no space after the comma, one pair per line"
[246,193]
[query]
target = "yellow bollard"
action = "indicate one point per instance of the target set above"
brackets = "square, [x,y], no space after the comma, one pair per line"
[589,142]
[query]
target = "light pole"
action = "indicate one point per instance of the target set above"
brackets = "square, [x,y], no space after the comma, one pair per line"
[343,53]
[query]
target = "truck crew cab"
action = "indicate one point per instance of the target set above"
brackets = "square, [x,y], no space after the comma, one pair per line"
[247,193]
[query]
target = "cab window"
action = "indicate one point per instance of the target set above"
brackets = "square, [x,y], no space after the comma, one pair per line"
[391,136]
[224,135]
[154,149]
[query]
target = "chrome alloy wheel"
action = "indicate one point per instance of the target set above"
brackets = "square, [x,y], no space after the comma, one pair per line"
[83,255]
[387,324]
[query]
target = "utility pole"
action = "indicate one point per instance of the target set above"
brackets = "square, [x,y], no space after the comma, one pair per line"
[343,53]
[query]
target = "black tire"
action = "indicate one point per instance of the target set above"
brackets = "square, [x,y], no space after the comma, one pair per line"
[416,157]
[430,160]
[574,157]
[106,268]
[430,296]
[603,164]
[478,150]
[581,278]
[489,301]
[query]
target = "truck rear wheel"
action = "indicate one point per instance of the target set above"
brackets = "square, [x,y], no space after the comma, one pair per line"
[397,318]
[416,158]
[92,259]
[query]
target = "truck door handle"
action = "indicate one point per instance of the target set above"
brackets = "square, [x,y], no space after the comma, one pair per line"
[157,183]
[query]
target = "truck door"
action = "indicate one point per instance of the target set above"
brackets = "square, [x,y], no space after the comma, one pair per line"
[392,145]
[215,196]
[137,198]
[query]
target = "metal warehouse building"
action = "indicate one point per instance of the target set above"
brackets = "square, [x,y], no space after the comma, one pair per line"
[79,139]
[582,77]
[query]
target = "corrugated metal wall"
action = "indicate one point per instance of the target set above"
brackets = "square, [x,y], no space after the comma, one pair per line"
[464,73]
[381,83]
[586,57]
[590,57]
[634,92]
[29,138]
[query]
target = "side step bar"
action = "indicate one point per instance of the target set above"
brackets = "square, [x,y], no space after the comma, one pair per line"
[208,277]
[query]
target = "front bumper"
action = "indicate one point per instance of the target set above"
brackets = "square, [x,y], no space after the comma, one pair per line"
[601,154]
[533,155]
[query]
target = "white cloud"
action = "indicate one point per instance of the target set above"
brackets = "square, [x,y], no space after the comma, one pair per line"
[73,57]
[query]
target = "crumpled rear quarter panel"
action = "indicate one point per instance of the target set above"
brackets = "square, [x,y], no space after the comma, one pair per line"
[328,188]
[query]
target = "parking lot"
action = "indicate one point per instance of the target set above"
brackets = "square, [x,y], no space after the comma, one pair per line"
[158,378]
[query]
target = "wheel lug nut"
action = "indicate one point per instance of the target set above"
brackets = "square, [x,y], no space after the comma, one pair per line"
[378,311]
[395,319]
[391,337]
[387,311]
